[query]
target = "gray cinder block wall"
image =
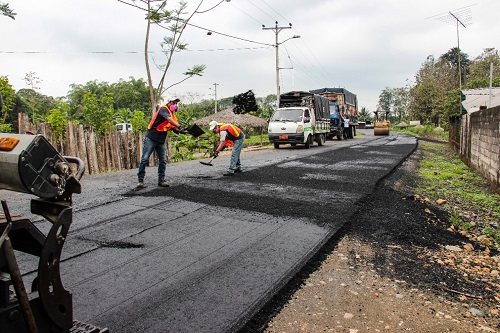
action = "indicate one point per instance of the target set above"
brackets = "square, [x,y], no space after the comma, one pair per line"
[480,144]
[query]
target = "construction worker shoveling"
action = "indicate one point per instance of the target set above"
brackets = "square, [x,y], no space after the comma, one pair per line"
[230,136]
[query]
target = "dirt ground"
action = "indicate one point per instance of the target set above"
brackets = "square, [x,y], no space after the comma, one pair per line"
[396,267]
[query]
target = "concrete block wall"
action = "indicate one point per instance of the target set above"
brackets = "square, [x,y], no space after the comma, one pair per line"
[480,144]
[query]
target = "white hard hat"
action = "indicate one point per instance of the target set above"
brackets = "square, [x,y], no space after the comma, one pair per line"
[213,124]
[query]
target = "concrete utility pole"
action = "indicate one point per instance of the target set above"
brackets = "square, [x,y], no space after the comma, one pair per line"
[277,30]
[215,94]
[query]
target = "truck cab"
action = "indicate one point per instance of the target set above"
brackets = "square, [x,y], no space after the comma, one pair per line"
[336,122]
[301,119]
[291,126]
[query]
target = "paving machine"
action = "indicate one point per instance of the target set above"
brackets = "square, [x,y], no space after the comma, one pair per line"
[30,164]
[382,124]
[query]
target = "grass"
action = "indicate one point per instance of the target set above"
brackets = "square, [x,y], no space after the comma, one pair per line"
[423,131]
[471,203]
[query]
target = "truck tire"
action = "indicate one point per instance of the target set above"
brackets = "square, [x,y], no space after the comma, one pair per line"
[340,137]
[276,145]
[308,143]
[320,139]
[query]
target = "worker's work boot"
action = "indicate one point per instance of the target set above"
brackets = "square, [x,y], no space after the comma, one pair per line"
[163,183]
[140,184]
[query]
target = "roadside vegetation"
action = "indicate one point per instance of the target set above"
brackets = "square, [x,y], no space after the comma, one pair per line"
[187,148]
[427,131]
[446,181]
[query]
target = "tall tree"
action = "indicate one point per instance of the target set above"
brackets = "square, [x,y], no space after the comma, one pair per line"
[34,104]
[432,83]
[170,44]
[132,94]
[76,95]
[98,111]
[452,60]
[8,101]
[365,114]
[386,99]
[479,76]
[401,102]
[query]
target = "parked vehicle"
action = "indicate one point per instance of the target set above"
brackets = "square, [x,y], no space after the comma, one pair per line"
[342,104]
[302,118]
[123,127]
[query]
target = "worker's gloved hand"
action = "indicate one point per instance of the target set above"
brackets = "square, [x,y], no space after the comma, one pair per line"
[182,130]
[216,153]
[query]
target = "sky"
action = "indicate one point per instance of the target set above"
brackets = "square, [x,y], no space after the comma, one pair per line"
[363,46]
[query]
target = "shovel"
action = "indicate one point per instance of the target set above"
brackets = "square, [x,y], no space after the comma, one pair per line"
[209,162]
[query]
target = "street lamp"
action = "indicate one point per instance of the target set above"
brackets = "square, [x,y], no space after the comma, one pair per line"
[277,30]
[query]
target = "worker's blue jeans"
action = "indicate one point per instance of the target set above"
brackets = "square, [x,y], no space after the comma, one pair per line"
[235,163]
[147,149]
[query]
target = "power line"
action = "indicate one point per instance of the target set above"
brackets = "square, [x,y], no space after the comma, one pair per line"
[206,29]
[275,11]
[260,9]
[133,52]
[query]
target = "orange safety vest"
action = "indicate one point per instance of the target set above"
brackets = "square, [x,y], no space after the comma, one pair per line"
[164,125]
[231,129]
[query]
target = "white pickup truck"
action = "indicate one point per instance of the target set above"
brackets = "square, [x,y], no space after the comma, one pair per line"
[302,118]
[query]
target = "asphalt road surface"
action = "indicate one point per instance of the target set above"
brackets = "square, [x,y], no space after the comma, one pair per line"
[205,254]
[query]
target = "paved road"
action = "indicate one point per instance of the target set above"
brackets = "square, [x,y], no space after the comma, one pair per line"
[205,254]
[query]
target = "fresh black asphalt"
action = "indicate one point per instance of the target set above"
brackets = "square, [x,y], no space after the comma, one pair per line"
[205,254]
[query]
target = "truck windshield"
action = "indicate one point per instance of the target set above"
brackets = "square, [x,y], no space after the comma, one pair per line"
[287,115]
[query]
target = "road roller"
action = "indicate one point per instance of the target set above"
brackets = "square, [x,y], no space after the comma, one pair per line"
[30,164]
[382,124]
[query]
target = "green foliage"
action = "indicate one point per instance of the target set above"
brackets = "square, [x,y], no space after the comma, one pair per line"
[132,94]
[364,114]
[433,98]
[98,112]
[34,104]
[5,128]
[480,67]
[427,131]
[6,11]
[177,23]
[8,97]
[452,105]
[57,119]
[483,82]
[385,99]
[138,121]
[266,107]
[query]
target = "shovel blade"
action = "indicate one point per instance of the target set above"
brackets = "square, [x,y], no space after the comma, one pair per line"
[207,163]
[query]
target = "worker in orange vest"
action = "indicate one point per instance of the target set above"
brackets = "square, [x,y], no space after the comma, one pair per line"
[163,121]
[230,136]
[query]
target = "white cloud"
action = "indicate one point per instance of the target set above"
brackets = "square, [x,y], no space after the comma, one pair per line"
[361,45]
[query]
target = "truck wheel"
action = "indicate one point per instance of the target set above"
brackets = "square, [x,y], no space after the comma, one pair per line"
[341,135]
[276,145]
[320,139]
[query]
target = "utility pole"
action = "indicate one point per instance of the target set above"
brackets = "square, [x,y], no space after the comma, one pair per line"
[215,94]
[277,30]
